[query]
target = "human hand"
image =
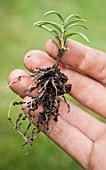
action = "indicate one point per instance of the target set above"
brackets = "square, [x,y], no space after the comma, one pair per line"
[79,134]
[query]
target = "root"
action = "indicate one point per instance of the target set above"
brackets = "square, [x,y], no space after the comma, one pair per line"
[51,84]
[17,79]
[66,103]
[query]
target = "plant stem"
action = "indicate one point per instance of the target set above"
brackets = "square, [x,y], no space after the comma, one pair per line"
[62,37]
[62,48]
[60,53]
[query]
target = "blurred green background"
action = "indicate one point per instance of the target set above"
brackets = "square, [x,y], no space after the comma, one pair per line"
[17,36]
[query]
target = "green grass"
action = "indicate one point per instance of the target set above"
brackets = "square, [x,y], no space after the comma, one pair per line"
[17,36]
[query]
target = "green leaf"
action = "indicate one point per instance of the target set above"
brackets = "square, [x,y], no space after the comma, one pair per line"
[55,12]
[54,32]
[39,23]
[56,42]
[71,16]
[77,33]
[73,25]
[74,21]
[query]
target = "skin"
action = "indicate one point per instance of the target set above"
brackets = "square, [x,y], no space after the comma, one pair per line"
[78,133]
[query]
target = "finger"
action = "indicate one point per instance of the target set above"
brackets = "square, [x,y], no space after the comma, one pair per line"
[80,119]
[19,81]
[69,138]
[98,156]
[37,58]
[82,58]
[84,89]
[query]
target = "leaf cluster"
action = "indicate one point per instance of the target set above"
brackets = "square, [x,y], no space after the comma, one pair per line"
[62,31]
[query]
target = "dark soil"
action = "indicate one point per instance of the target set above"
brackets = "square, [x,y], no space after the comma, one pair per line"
[51,84]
